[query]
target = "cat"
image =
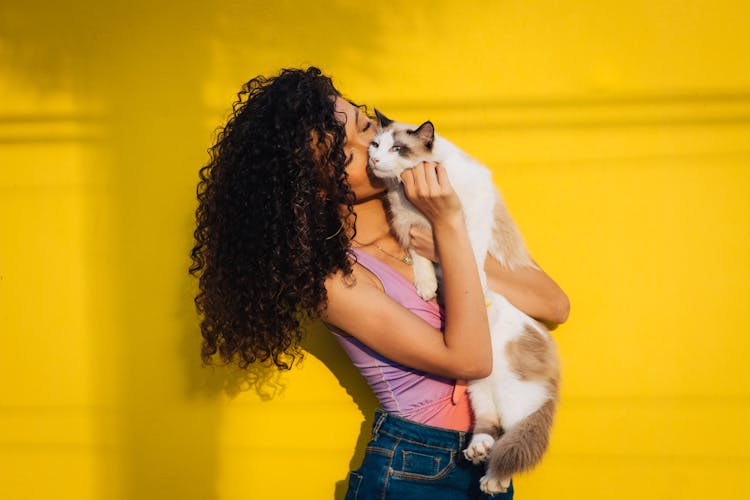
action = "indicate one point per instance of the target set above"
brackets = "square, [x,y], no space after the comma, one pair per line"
[514,406]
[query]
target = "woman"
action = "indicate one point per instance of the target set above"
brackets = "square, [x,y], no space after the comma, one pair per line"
[291,225]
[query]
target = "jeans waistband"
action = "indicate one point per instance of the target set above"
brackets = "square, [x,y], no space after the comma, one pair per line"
[402,428]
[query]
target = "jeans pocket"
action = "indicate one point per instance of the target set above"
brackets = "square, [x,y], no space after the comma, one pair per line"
[352,490]
[420,462]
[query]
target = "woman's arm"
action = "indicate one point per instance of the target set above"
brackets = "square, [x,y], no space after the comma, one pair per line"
[530,290]
[430,191]
[361,309]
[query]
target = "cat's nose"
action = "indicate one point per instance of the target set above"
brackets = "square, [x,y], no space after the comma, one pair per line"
[375,160]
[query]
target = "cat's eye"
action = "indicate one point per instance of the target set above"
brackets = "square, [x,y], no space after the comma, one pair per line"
[396,149]
[374,144]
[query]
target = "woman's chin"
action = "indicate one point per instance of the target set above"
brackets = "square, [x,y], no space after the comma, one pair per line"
[374,193]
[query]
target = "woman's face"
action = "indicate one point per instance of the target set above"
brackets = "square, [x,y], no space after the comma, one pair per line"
[360,130]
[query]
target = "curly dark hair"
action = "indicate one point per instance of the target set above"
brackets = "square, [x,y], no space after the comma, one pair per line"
[274,219]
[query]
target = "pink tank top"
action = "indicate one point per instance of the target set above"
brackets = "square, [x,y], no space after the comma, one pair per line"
[408,393]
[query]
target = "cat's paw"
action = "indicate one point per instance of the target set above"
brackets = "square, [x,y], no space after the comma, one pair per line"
[426,287]
[490,484]
[479,448]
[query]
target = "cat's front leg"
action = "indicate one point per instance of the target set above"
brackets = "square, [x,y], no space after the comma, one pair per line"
[425,279]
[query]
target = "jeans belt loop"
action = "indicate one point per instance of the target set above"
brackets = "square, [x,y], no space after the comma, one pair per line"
[378,423]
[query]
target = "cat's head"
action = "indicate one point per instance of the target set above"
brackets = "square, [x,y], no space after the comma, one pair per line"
[399,146]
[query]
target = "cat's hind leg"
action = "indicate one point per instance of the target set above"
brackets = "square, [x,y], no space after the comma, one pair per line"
[487,427]
[520,449]
[491,485]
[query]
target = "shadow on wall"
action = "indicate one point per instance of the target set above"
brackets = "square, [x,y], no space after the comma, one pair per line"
[320,343]
[144,67]
[267,382]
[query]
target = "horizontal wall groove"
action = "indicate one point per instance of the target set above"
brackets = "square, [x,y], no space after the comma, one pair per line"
[26,119]
[703,109]
[76,139]
[56,447]
[632,160]
[738,400]
[666,457]
[670,109]
[572,123]
[20,129]
[634,99]
[45,408]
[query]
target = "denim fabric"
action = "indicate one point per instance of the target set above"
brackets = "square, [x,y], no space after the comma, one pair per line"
[406,460]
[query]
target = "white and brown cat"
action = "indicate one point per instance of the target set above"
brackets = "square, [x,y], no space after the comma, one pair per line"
[514,406]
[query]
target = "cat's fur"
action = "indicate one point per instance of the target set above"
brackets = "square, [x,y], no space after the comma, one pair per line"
[514,406]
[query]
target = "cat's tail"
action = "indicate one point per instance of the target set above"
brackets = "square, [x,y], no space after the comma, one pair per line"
[522,446]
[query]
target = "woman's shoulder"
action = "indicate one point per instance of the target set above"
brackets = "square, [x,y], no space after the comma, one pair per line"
[360,276]
[352,296]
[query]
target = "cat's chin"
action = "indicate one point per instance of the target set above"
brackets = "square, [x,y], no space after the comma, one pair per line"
[384,174]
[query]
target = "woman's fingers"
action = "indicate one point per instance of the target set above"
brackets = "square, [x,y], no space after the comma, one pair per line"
[407,178]
[422,180]
[442,178]
[431,176]
[426,180]
[426,185]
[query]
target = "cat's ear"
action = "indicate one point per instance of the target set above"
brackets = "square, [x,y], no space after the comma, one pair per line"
[383,121]
[426,132]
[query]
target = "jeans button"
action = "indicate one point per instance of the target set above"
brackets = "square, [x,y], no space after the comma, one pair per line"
[390,471]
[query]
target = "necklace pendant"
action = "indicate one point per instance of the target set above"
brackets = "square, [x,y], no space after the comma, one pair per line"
[407,259]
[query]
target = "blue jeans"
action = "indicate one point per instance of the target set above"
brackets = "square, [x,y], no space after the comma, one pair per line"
[407,460]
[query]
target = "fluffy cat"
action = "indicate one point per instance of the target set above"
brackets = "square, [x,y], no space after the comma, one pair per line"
[514,406]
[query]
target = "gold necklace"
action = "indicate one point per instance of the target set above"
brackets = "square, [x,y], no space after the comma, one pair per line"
[406,259]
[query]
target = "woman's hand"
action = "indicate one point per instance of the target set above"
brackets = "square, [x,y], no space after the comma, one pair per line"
[427,187]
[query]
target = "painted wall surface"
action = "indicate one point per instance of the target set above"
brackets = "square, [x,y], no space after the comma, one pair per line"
[618,132]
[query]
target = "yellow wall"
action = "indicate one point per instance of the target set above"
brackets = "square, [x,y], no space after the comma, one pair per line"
[619,133]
